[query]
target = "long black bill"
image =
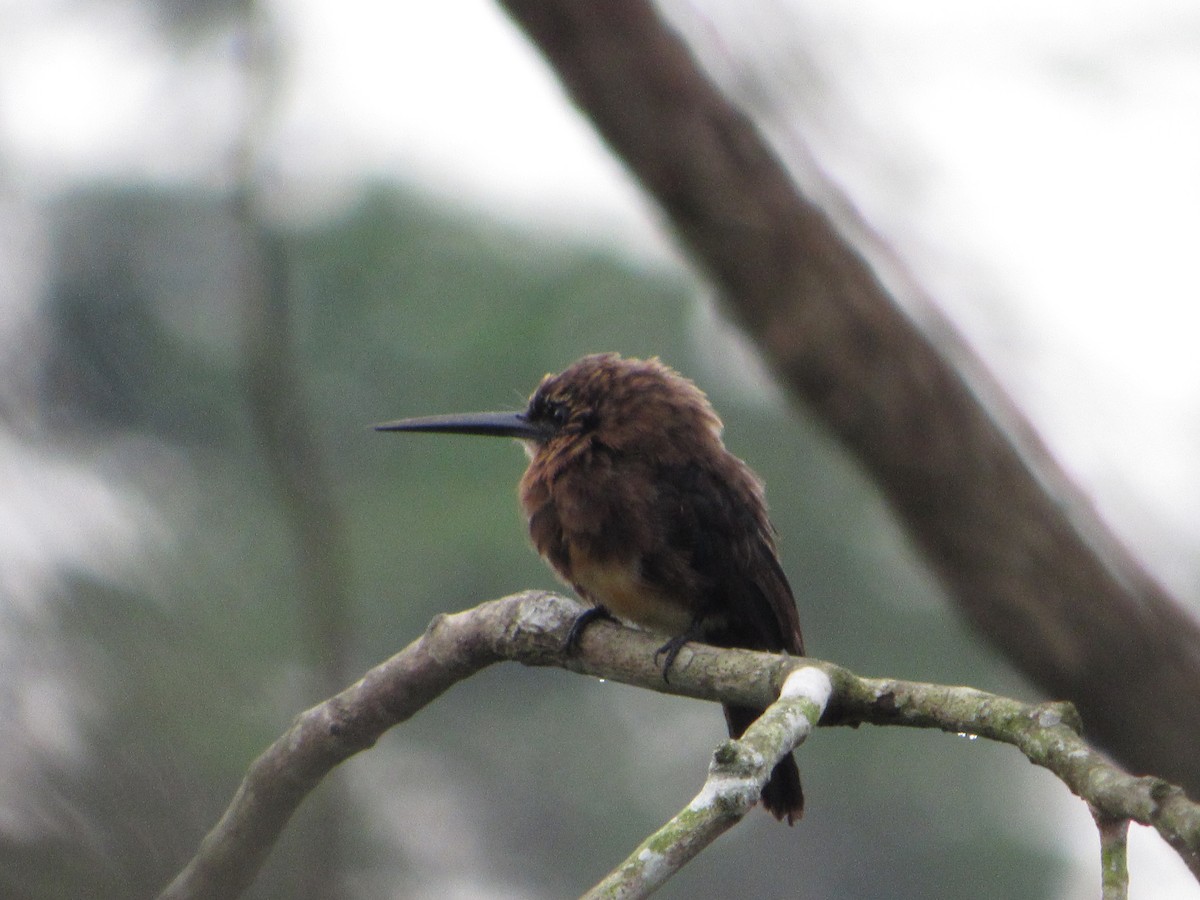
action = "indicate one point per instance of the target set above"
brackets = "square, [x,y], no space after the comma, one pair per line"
[496,424]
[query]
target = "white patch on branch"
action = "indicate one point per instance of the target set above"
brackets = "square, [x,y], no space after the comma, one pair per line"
[810,683]
[655,866]
[736,791]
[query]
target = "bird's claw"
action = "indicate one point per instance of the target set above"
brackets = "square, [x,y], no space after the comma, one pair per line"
[582,621]
[671,650]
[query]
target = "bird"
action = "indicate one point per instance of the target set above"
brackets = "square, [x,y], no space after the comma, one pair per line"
[633,500]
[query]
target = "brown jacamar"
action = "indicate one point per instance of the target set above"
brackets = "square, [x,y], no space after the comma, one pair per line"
[634,501]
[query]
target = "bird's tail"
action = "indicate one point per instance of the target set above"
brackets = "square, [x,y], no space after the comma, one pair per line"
[782,796]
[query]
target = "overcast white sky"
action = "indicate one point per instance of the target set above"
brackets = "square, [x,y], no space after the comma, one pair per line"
[1035,162]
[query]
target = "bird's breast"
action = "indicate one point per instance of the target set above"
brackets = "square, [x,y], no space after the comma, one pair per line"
[618,586]
[594,524]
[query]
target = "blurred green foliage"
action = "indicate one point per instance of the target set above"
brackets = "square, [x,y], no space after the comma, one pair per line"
[517,783]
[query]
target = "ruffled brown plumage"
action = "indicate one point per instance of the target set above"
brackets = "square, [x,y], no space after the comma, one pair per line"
[633,500]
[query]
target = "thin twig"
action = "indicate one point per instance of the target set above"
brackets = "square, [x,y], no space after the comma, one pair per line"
[1114,853]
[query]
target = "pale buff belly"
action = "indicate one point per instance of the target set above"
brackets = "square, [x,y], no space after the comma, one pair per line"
[618,587]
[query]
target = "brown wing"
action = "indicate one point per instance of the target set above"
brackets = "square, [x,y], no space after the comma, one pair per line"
[715,525]
[718,524]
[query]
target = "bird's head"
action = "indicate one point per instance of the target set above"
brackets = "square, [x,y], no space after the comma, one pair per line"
[626,405]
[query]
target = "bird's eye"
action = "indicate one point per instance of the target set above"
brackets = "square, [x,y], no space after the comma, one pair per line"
[546,410]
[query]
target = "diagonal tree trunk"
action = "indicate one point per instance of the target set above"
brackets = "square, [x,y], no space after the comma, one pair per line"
[1039,574]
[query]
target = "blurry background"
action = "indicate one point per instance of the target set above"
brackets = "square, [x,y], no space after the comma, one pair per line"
[233,234]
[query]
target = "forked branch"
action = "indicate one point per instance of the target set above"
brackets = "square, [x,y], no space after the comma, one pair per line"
[531,628]
[736,777]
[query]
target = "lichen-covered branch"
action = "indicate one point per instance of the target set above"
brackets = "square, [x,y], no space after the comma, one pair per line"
[1048,734]
[531,628]
[1114,855]
[736,777]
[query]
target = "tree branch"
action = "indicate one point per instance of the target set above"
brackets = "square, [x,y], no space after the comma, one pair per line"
[1038,573]
[531,628]
[1114,853]
[736,777]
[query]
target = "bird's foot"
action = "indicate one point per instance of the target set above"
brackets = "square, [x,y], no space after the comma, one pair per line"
[582,621]
[671,650]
